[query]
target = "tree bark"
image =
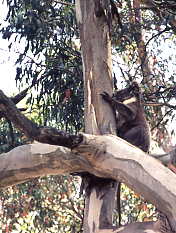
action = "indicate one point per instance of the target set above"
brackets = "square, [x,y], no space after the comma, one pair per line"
[97,66]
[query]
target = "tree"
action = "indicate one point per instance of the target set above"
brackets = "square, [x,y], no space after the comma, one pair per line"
[96,120]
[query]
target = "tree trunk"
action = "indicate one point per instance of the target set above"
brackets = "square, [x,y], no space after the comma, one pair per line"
[99,118]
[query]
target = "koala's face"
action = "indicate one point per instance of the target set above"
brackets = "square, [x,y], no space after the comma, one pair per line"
[127,93]
[123,95]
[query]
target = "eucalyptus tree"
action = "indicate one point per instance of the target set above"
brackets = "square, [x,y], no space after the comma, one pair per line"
[51,62]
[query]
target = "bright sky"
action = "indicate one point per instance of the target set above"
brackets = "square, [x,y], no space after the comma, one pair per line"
[7,61]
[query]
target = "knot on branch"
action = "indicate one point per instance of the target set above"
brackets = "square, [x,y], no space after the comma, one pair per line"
[57,137]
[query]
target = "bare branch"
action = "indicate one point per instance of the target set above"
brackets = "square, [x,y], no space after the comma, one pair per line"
[158,34]
[64,3]
[16,99]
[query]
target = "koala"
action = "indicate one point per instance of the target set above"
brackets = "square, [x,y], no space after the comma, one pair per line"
[130,117]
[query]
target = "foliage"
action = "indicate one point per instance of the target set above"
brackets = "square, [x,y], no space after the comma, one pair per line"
[48,204]
[50,60]
[134,208]
[9,137]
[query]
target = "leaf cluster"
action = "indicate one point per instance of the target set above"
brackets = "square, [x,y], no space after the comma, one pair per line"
[42,205]
[50,61]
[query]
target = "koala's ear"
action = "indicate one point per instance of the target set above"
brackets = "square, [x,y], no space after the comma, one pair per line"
[135,87]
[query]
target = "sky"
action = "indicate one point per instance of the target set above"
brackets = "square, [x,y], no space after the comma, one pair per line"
[7,69]
[7,62]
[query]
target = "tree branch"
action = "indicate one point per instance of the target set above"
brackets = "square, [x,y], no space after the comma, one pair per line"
[32,130]
[64,3]
[105,156]
[17,98]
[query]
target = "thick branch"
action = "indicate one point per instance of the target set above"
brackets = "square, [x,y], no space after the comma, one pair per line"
[16,99]
[29,161]
[104,156]
[32,130]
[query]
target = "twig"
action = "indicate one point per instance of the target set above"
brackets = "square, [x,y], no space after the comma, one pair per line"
[65,3]
[158,34]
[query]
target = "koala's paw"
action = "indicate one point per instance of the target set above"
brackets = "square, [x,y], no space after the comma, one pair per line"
[106,96]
